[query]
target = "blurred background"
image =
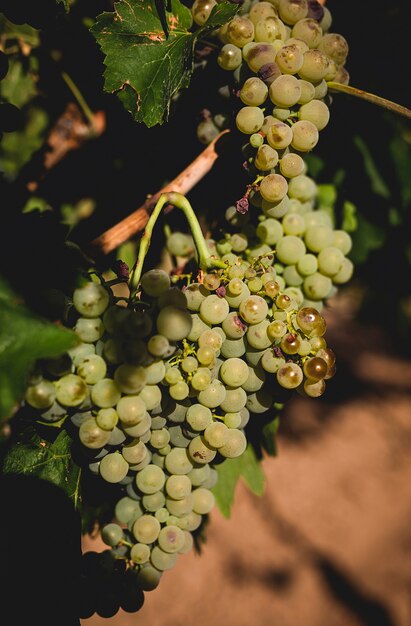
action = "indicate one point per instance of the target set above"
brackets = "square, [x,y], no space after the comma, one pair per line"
[329,542]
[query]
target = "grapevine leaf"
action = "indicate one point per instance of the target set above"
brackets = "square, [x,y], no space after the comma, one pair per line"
[34,455]
[366,237]
[230,471]
[26,36]
[268,436]
[378,185]
[24,338]
[143,66]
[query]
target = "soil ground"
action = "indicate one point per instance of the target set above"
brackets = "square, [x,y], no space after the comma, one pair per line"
[329,543]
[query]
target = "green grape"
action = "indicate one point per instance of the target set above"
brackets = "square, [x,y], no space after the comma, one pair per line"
[232,420]
[259,402]
[270,362]
[342,76]
[92,436]
[229,57]
[330,261]
[195,294]
[178,244]
[234,372]
[174,323]
[210,339]
[255,285]
[291,165]
[163,560]
[253,309]
[150,479]
[89,329]
[315,66]
[316,112]
[305,136]
[154,501]
[155,372]
[279,136]
[258,338]
[289,59]
[172,296]
[309,31]
[235,445]
[256,140]
[113,467]
[293,224]
[178,462]
[345,273]
[260,11]
[203,500]
[140,553]
[158,345]
[269,30]
[285,91]
[342,240]
[207,131]
[266,158]
[42,395]
[191,521]
[178,508]
[206,356]
[134,452]
[199,451]
[249,119]
[131,410]
[215,435]
[234,299]
[112,534]
[201,10]
[155,282]
[314,389]
[273,187]
[290,249]
[240,31]
[201,379]
[178,487]
[317,286]
[151,396]
[162,515]
[233,348]
[302,188]
[321,89]
[234,401]
[159,438]
[290,376]
[307,92]
[148,578]
[291,11]
[199,475]
[91,300]
[255,380]
[92,368]
[307,264]
[318,237]
[107,418]
[188,543]
[213,395]
[198,417]
[171,539]
[292,277]
[326,20]
[80,351]
[335,47]
[253,92]
[239,242]
[59,366]
[130,378]
[173,375]
[146,529]
[210,482]
[112,351]
[270,231]
[126,509]
[70,390]
[139,429]
[213,310]
[259,55]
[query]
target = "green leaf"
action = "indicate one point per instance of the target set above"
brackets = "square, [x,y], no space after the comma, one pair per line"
[24,338]
[268,436]
[143,66]
[327,195]
[20,85]
[315,164]
[378,185]
[17,148]
[349,217]
[230,471]
[34,455]
[26,36]
[401,156]
[366,237]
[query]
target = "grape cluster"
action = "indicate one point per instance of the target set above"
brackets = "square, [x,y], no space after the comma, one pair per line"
[161,391]
[282,55]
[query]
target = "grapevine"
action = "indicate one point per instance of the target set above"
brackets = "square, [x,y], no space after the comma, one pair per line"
[158,375]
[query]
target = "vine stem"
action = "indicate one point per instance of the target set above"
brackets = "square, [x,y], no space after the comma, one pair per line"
[79,97]
[370,97]
[136,221]
[205,261]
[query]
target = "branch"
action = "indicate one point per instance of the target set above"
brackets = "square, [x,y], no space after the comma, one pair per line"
[134,223]
[370,97]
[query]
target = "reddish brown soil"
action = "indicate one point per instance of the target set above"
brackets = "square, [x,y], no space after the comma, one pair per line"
[329,543]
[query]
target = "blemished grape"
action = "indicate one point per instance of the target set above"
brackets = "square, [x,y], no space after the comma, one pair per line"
[201,10]
[249,119]
[230,57]
[92,436]
[42,395]
[174,323]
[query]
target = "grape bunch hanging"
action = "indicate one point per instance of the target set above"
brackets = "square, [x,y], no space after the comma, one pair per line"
[164,381]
